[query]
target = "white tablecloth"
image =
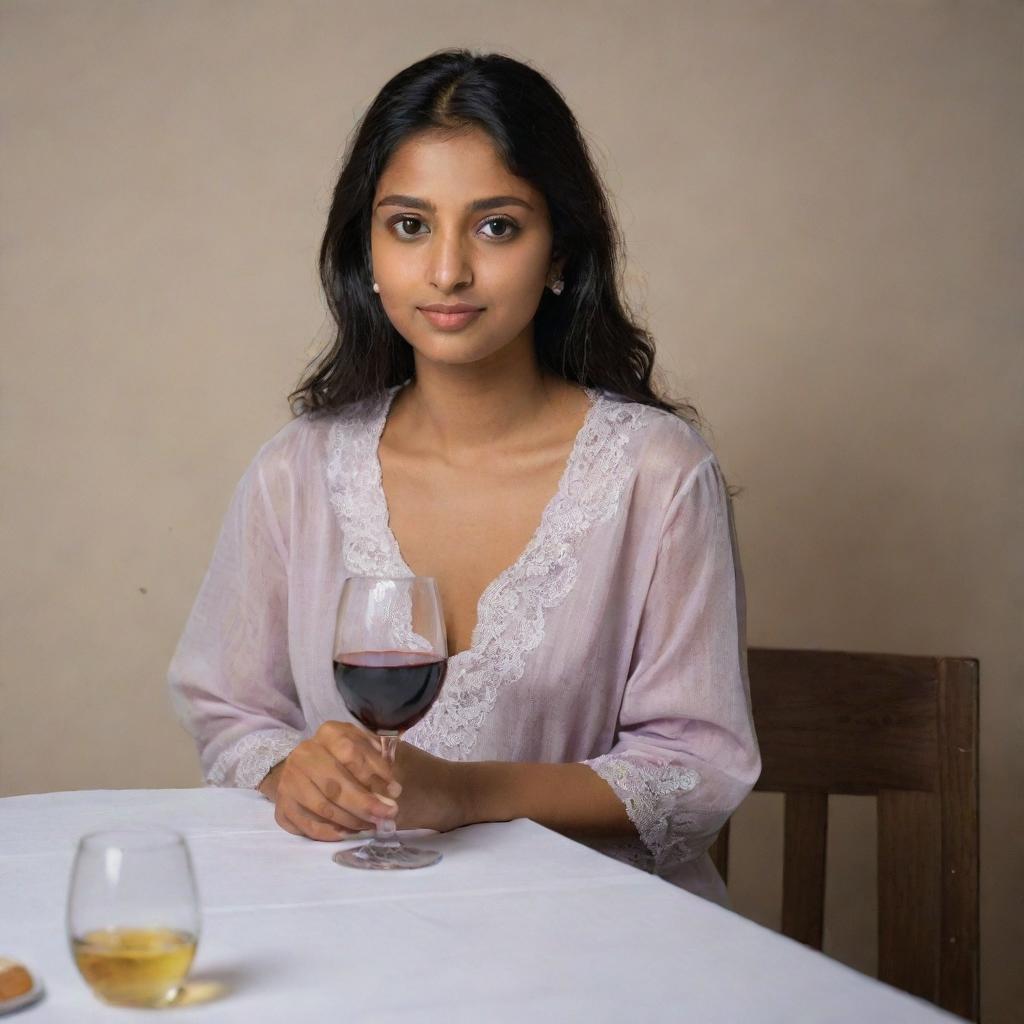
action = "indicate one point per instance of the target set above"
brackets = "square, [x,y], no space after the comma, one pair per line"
[516,923]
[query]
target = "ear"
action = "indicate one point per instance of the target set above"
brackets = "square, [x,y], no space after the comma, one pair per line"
[557,267]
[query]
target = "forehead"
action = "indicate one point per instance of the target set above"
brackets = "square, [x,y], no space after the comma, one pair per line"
[452,168]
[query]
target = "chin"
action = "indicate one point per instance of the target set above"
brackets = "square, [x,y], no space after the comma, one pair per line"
[452,350]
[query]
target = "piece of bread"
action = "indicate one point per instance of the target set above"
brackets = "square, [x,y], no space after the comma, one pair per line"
[14,979]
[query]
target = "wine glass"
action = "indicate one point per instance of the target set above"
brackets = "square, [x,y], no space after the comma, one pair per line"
[133,915]
[390,659]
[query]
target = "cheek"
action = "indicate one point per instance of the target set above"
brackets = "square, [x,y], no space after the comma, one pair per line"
[513,275]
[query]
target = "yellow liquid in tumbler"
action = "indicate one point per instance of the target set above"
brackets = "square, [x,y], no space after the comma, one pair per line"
[135,966]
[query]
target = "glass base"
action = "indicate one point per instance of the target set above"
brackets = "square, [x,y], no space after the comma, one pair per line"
[141,1001]
[377,856]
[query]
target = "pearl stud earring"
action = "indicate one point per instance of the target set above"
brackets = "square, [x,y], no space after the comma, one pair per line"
[558,286]
[376,287]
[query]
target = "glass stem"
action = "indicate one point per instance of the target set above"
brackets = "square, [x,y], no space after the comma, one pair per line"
[387,827]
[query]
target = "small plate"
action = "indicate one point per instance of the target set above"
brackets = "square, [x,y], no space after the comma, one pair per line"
[26,998]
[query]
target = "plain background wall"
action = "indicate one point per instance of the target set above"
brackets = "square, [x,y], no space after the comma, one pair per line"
[824,220]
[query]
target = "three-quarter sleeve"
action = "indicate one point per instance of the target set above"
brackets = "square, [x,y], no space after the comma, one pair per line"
[685,754]
[230,678]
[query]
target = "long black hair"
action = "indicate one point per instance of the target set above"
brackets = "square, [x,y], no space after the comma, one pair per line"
[585,335]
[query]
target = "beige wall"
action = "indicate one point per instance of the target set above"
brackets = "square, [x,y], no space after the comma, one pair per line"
[824,220]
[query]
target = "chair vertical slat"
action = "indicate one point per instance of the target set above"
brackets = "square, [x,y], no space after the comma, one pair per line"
[908,891]
[803,867]
[719,853]
[958,774]
[904,729]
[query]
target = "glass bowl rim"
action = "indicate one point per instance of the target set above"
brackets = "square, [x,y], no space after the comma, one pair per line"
[158,836]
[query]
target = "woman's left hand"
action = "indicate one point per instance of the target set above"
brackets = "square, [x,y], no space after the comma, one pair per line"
[433,790]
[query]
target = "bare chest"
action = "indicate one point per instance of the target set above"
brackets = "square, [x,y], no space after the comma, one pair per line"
[465,528]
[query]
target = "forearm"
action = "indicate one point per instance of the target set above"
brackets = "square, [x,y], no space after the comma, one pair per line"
[569,798]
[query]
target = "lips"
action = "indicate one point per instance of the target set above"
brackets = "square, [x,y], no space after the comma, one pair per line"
[450,318]
[458,307]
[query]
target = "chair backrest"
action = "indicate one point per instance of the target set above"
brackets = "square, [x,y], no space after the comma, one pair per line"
[904,729]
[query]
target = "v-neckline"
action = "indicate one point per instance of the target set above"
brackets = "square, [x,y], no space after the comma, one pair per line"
[515,567]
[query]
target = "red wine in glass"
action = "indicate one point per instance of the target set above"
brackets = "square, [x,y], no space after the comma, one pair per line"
[390,658]
[389,689]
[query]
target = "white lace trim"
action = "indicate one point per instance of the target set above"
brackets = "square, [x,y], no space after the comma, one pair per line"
[651,794]
[356,491]
[511,611]
[252,757]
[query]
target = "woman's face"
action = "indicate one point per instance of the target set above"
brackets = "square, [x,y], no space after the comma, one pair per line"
[451,226]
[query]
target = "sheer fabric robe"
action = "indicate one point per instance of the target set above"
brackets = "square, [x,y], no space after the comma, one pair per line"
[616,639]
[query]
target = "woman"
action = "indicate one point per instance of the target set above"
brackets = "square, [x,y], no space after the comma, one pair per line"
[485,416]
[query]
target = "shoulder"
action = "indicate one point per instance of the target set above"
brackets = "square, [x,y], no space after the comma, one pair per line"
[284,454]
[304,442]
[666,450]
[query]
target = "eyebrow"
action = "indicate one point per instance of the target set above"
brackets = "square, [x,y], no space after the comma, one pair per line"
[475,206]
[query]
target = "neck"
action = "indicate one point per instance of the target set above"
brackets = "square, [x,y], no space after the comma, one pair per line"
[463,411]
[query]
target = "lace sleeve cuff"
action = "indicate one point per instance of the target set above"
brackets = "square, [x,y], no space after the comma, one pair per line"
[651,795]
[245,763]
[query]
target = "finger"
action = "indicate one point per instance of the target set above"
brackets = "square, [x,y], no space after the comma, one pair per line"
[312,796]
[381,788]
[336,751]
[319,763]
[340,787]
[359,751]
[323,831]
[315,763]
[368,779]
[286,823]
[350,794]
[314,827]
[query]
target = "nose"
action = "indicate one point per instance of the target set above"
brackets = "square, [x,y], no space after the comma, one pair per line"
[450,263]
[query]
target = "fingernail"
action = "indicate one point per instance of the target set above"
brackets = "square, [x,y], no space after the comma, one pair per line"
[391,808]
[395,788]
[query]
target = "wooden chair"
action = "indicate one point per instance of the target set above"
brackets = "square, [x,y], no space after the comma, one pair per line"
[904,729]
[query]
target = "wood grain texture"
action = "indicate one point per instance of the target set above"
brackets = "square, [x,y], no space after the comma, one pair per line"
[904,729]
[959,966]
[820,708]
[803,867]
[909,911]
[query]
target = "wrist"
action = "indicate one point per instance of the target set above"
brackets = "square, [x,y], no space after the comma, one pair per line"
[467,787]
[484,792]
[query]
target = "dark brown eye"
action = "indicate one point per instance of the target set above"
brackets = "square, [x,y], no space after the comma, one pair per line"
[403,223]
[507,227]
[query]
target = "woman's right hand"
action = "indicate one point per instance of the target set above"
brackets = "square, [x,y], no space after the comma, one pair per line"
[332,785]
